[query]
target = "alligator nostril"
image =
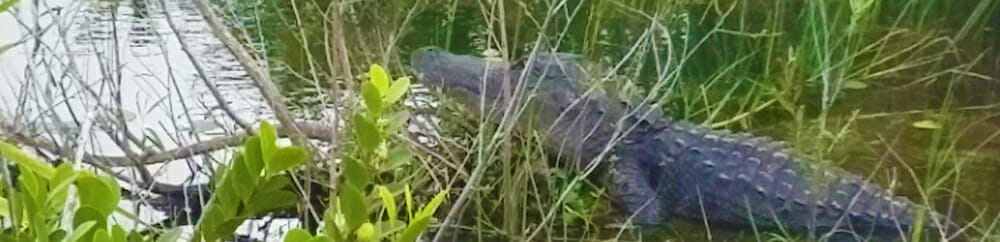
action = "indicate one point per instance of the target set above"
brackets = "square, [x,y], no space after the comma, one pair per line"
[434,50]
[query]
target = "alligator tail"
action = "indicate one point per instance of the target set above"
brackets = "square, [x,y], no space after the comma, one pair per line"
[736,178]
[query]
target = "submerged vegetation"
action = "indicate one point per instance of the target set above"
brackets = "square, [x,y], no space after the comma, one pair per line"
[903,92]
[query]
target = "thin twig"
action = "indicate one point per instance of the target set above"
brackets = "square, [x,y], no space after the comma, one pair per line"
[312,130]
[260,76]
[223,104]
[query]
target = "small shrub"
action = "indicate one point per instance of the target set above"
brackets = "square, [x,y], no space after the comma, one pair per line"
[349,218]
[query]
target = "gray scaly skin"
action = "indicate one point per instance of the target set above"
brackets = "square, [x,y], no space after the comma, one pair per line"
[656,167]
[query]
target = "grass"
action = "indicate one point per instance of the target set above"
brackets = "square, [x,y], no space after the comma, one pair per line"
[881,88]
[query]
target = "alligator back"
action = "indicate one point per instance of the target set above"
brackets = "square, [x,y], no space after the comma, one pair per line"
[744,180]
[664,167]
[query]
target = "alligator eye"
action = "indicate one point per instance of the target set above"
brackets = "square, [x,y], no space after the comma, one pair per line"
[517,64]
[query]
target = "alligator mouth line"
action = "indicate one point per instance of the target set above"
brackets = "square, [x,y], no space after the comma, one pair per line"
[448,84]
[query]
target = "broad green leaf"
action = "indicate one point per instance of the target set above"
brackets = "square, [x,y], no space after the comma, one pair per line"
[356,173]
[267,139]
[86,213]
[15,154]
[352,203]
[238,173]
[271,202]
[235,201]
[399,156]
[172,235]
[423,218]
[372,98]
[276,183]
[320,238]
[414,230]
[80,230]
[116,190]
[378,78]
[63,178]
[227,228]
[210,221]
[30,204]
[330,226]
[226,196]
[118,234]
[218,174]
[94,192]
[368,134]
[429,208]
[397,122]
[856,85]
[6,4]
[220,229]
[297,234]
[101,235]
[253,157]
[30,184]
[285,158]
[927,124]
[57,235]
[389,201]
[397,90]
[366,232]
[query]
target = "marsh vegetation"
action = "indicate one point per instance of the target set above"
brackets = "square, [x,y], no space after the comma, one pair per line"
[904,92]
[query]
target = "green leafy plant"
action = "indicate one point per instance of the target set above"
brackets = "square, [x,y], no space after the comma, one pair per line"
[349,219]
[7,4]
[36,206]
[251,185]
[581,198]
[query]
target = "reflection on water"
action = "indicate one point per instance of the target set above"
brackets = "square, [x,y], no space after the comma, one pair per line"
[124,47]
[152,59]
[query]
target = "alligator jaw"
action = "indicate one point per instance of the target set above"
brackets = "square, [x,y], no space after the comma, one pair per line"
[462,76]
[544,89]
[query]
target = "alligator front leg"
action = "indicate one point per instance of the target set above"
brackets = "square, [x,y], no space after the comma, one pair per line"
[630,188]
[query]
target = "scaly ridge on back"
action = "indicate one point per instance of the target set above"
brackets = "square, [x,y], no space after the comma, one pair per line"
[732,178]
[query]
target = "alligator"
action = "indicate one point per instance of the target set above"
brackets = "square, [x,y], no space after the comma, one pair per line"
[656,167]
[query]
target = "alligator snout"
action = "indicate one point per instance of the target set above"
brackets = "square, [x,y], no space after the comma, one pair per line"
[428,63]
[423,57]
[463,75]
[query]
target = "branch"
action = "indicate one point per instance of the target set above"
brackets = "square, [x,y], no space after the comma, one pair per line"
[312,130]
[259,75]
[223,104]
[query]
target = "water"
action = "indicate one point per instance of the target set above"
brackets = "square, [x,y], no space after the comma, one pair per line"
[160,87]
[124,47]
